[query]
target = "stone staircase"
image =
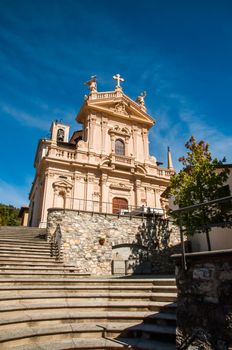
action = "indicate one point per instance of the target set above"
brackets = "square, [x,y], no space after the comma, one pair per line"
[45,304]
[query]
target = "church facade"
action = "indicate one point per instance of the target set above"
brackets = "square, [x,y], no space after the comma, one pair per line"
[104,167]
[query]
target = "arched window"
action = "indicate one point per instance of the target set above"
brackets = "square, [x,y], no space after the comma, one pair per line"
[119,204]
[119,147]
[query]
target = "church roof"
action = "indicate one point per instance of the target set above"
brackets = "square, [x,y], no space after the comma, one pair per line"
[115,103]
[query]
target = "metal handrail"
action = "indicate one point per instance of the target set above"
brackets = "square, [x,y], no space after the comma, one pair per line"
[195,206]
[56,243]
[104,335]
[192,207]
[74,203]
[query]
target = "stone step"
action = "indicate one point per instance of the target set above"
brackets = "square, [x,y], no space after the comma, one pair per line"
[24,246]
[24,239]
[16,308]
[77,329]
[72,343]
[21,238]
[26,262]
[16,263]
[165,281]
[73,288]
[80,296]
[104,281]
[9,247]
[164,289]
[66,331]
[23,234]
[26,254]
[21,229]
[43,334]
[149,331]
[32,281]
[22,269]
[144,344]
[5,260]
[161,318]
[17,242]
[38,318]
[38,274]
[163,296]
[96,343]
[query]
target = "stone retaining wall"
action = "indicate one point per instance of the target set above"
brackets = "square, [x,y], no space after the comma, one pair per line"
[204,307]
[89,239]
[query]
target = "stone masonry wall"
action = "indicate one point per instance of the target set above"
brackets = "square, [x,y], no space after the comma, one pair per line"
[204,306]
[88,239]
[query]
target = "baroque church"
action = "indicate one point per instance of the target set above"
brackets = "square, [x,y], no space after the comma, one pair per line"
[105,167]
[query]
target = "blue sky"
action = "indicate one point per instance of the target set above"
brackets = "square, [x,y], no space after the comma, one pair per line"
[180,52]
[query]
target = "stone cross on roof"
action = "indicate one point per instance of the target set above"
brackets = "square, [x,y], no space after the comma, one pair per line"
[118,78]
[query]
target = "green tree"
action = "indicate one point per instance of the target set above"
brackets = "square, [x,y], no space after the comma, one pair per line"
[9,215]
[202,179]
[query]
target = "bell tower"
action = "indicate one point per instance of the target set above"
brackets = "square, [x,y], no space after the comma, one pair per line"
[59,132]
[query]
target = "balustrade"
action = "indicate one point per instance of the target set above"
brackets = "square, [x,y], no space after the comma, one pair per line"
[123,159]
[106,95]
[61,153]
[163,172]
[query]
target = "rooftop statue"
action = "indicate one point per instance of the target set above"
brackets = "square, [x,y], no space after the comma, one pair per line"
[92,83]
[140,98]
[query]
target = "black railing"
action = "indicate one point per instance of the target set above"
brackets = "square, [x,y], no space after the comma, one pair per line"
[104,335]
[56,243]
[210,220]
[108,207]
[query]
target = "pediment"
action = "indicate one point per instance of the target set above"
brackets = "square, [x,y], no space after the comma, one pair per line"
[62,184]
[124,131]
[121,107]
[120,186]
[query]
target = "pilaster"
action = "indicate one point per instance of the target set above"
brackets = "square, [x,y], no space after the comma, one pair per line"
[104,194]
[104,123]
[137,193]
[145,143]
[91,127]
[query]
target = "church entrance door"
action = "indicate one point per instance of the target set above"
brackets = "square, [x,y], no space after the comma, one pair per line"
[119,204]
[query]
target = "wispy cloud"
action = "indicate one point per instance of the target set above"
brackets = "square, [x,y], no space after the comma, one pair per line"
[175,126]
[25,118]
[11,194]
[220,144]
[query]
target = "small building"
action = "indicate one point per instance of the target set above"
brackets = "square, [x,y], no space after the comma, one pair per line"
[106,166]
[23,215]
